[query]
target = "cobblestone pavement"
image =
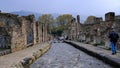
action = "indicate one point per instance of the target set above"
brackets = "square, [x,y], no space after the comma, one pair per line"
[62,55]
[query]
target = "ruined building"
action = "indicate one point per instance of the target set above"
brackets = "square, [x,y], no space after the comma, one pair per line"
[17,32]
[110,16]
[74,28]
[95,30]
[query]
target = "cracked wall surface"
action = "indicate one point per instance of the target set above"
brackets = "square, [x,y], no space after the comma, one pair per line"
[17,32]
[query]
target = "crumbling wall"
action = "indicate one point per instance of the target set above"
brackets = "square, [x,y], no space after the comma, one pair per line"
[17,32]
[73,29]
[18,41]
[117,29]
[7,23]
[29,29]
[25,35]
[40,29]
[4,38]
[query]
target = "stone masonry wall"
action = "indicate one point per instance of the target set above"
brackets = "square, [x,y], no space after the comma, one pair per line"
[29,29]
[39,32]
[16,32]
[8,23]
[97,32]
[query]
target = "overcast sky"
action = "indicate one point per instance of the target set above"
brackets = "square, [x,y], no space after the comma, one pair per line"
[81,7]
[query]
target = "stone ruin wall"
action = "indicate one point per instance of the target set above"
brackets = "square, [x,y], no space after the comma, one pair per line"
[7,23]
[27,33]
[28,23]
[39,32]
[42,33]
[117,29]
[16,31]
[98,31]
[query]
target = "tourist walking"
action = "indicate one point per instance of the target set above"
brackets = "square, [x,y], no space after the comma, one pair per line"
[113,40]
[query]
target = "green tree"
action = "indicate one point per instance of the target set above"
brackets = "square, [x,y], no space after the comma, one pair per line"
[64,20]
[56,31]
[48,20]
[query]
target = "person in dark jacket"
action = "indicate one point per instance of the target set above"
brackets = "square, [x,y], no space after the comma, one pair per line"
[113,39]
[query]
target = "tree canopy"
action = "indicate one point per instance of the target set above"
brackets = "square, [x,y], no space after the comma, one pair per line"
[48,20]
[62,22]
[58,27]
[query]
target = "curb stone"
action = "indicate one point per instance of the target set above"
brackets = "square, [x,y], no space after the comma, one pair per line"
[26,62]
[101,56]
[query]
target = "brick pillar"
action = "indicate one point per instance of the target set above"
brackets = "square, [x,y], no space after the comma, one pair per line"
[35,32]
[39,32]
[24,31]
[78,26]
[78,18]
[45,33]
[19,36]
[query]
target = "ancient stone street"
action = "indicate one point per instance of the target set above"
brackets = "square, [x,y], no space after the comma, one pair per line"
[62,55]
[60,34]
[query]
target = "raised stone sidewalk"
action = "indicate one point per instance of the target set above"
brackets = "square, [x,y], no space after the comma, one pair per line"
[23,58]
[100,53]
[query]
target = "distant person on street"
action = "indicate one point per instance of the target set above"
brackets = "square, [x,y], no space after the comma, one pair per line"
[113,39]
